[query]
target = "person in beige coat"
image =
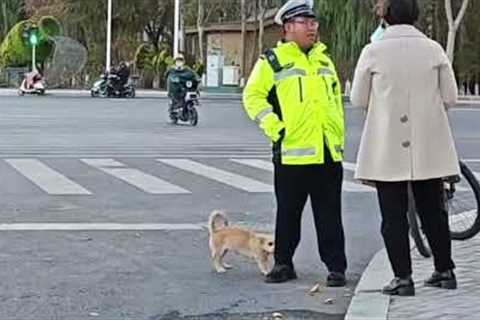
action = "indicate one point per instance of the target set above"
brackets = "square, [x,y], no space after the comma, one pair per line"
[406,84]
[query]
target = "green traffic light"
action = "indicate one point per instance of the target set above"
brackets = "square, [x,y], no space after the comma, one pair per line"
[33,39]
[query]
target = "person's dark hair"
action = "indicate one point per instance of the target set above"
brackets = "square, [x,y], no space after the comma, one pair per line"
[399,11]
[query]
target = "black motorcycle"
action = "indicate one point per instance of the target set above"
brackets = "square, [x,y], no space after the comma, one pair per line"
[106,87]
[185,110]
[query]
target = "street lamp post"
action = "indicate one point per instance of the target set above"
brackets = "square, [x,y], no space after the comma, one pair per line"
[176,27]
[109,35]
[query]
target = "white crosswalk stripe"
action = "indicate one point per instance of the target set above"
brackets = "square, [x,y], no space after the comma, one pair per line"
[255,163]
[225,177]
[97,226]
[349,166]
[55,183]
[135,177]
[46,178]
[477,175]
[348,186]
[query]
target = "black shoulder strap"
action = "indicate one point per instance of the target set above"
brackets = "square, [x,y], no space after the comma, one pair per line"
[273,60]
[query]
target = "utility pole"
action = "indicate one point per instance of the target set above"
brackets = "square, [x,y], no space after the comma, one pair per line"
[109,36]
[242,50]
[176,27]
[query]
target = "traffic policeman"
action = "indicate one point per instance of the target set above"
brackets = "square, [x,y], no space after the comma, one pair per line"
[293,93]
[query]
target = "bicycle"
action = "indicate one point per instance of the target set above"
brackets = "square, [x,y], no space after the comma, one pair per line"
[462,201]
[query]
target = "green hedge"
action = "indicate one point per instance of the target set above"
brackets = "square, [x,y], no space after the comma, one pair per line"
[15,51]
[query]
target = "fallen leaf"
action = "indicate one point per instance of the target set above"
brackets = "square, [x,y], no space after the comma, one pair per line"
[314,289]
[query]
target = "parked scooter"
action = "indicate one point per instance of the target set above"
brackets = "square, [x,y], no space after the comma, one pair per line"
[33,83]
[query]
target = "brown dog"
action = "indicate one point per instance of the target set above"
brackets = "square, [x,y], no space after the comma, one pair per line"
[223,238]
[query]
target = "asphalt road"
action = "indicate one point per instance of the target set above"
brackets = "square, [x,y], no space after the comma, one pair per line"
[123,164]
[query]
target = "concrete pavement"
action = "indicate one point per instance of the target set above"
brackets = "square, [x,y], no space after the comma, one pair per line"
[428,303]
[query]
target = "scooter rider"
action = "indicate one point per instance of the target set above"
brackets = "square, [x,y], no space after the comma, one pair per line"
[123,73]
[177,78]
[31,78]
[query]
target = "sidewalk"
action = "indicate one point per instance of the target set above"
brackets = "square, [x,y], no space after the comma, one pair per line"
[428,303]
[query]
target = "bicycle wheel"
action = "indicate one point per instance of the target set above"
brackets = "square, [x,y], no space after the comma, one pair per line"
[463,201]
[415,226]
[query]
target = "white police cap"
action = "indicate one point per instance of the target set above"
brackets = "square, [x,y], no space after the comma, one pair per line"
[294,8]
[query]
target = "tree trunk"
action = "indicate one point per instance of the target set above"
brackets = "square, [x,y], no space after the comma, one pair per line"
[453,25]
[242,48]
[5,22]
[261,27]
[430,16]
[452,35]
[200,28]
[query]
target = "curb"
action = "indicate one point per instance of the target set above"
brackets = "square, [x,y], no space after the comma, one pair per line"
[139,93]
[472,101]
[368,303]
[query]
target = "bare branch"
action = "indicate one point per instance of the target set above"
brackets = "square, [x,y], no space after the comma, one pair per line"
[448,11]
[461,13]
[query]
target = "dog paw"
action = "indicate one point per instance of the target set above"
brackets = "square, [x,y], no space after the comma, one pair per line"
[221,270]
[227,266]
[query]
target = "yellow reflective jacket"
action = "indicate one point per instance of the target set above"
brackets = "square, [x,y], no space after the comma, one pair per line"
[299,105]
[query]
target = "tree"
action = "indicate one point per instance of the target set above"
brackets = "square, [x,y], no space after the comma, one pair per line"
[345,27]
[453,24]
[11,11]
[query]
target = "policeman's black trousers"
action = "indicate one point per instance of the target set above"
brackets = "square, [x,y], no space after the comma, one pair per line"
[323,183]
[429,200]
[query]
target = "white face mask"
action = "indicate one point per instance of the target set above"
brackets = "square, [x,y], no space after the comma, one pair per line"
[378,33]
[179,64]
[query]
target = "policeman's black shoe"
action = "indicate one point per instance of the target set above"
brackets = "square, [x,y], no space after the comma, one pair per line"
[336,279]
[281,273]
[444,280]
[400,287]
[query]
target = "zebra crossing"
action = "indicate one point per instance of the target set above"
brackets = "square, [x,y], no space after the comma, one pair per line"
[55,182]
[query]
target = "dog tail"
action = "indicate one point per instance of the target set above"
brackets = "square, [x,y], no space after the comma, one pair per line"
[217,220]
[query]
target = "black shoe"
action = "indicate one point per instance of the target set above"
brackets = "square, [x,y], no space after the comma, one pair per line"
[400,287]
[445,280]
[281,273]
[336,279]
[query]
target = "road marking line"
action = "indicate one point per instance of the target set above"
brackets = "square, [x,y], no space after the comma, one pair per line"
[255,163]
[349,166]
[46,178]
[348,186]
[135,177]
[477,175]
[98,226]
[228,178]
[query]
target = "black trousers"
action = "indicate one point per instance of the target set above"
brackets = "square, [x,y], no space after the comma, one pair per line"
[393,200]
[323,183]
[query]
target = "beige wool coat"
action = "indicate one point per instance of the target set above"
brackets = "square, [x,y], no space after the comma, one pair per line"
[406,84]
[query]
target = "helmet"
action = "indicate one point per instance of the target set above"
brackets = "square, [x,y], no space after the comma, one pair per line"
[179,56]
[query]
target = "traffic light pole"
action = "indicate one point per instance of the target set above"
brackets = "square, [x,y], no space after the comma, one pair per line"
[34,64]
